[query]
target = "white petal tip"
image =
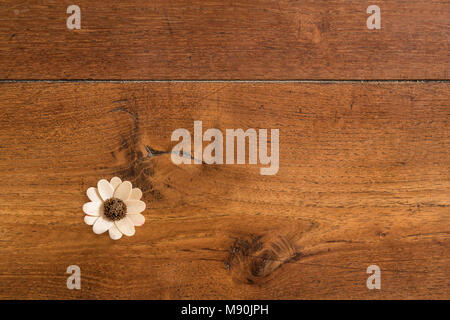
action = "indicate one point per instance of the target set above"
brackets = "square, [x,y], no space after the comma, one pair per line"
[93,195]
[136,194]
[123,191]
[92,208]
[137,219]
[102,225]
[115,182]
[126,226]
[105,189]
[90,220]
[135,206]
[114,233]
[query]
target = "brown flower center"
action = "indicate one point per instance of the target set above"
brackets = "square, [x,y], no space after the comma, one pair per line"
[115,209]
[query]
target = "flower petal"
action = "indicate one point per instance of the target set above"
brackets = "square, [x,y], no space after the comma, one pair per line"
[137,219]
[105,189]
[115,182]
[93,208]
[102,225]
[115,233]
[90,220]
[126,226]
[136,194]
[123,191]
[135,206]
[93,195]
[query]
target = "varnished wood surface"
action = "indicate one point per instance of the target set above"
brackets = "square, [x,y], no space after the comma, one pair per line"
[363,179]
[216,39]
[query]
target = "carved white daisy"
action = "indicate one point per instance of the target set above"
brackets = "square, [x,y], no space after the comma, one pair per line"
[115,207]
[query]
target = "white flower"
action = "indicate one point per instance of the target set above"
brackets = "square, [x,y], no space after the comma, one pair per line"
[115,207]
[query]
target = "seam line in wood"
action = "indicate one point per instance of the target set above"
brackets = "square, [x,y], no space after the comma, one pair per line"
[222,81]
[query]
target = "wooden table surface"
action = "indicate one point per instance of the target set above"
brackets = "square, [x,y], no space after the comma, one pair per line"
[364,169]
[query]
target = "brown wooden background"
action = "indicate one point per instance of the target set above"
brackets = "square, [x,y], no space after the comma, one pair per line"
[225,39]
[364,165]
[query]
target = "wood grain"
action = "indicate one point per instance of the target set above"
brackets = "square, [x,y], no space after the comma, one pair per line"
[216,39]
[364,179]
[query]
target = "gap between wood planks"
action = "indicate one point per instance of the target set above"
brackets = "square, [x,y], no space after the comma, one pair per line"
[224,81]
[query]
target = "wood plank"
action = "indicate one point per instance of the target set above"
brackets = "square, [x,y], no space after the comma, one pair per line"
[364,179]
[216,39]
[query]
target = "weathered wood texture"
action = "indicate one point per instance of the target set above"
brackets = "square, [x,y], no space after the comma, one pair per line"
[216,39]
[364,179]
